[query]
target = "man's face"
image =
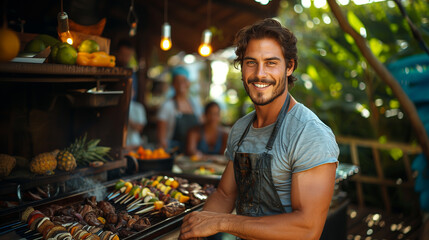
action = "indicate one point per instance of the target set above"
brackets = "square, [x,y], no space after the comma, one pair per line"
[264,71]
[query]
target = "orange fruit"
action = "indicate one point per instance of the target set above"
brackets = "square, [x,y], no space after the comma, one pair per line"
[9,44]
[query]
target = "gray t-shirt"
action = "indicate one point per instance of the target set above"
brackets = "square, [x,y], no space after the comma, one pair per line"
[303,142]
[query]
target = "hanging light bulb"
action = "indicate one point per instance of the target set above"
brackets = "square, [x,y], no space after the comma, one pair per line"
[63,28]
[205,48]
[132,20]
[166,37]
[165,43]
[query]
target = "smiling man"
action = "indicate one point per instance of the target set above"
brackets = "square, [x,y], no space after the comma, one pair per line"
[282,159]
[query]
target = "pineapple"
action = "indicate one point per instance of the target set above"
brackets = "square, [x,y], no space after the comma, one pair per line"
[86,152]
[7,163]
[44,163]
[66,161]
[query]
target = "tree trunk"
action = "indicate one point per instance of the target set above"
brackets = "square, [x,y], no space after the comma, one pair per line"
[386,76]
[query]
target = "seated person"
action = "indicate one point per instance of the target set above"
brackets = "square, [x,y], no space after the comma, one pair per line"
[178,114]
[209,138]
[136,122]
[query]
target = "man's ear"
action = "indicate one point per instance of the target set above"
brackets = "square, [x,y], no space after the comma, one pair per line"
[290,66]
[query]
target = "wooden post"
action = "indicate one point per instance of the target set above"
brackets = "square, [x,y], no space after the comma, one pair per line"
[380,174]
[355,160]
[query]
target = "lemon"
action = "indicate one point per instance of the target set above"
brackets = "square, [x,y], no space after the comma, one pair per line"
[66,54]
[35,45]
[89,46]
[9,44]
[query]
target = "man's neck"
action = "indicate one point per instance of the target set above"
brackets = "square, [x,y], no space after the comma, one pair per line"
[267,114]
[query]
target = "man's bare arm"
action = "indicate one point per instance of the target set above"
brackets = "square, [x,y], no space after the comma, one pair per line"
[311,195]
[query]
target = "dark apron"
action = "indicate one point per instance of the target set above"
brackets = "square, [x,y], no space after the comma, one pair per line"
[182,124]
[257,195]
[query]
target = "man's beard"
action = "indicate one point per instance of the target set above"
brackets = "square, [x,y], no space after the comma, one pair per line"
[278,91]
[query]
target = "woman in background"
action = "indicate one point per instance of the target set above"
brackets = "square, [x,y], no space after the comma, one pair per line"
[209,138]
[177,115]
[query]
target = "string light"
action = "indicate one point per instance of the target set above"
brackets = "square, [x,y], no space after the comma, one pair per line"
[205,48]
[63,26]
[166,31]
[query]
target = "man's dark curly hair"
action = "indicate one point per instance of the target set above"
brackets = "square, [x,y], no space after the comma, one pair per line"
[268,28]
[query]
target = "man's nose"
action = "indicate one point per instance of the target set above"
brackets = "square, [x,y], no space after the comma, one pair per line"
[260,71]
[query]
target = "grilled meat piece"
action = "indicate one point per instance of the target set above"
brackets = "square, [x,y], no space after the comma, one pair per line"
[51,210]
[124,215]
[106,207]
[125,232]
[92,201]
[131,222]
[209,189]
[181,180]
[172,209]
[86,209]
[164,198]
[110,227]
[91,219]
[66,211]
[112,218]
[62,219]
[141,224]
[197,197]
[121,222]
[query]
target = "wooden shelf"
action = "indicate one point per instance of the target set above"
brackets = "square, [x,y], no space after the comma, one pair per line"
[48,72]
[10,185]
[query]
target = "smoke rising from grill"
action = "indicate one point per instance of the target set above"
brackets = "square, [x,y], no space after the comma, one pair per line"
[84,184]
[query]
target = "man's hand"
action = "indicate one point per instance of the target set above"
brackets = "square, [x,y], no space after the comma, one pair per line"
[200,224]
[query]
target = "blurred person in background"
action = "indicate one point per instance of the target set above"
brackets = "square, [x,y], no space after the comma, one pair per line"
[125,57]
[178,114]
[136,122]
[208,138]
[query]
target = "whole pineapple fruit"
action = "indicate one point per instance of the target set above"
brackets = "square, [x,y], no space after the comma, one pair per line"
[66,161]
[7,163]
[86,152]
[44,163]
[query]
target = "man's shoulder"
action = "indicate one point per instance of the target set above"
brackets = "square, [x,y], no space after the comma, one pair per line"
[301,114]
[301,118]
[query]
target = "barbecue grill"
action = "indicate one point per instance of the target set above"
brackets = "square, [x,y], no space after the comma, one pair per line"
[12,228]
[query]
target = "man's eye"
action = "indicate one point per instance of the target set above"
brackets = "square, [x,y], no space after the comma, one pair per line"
[271,63]
[250,62]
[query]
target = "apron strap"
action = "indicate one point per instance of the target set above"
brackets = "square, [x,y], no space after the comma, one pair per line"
[279,122]
[273,135]
[246,131]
